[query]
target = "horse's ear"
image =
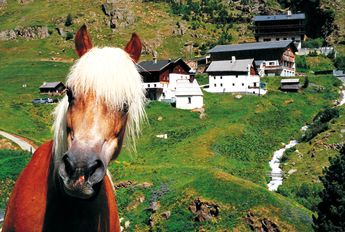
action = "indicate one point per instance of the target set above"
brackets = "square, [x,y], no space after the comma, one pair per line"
[82,41]
[133,47]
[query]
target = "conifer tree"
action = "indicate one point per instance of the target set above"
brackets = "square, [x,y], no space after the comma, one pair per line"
[331,209]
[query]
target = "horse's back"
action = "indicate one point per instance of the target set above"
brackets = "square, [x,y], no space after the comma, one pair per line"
[27,204]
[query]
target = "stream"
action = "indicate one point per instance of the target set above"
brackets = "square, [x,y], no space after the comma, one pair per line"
[277,173]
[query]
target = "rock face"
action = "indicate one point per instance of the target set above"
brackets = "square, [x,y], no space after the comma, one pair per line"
[37,32]
[2,2]
[118,17]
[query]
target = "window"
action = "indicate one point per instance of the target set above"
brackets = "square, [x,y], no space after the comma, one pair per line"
[242,84]
[148,85]
[215,85]
[271,63]
[277,39]
[189,100]
[221,77]
[236,76]
[285,38]
[221,85]
[233,84]
[155,85]
[267,39]
[214,77]
[254,84]
[293,38]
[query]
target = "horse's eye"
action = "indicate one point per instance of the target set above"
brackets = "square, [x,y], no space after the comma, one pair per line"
[69,95]
[125,108]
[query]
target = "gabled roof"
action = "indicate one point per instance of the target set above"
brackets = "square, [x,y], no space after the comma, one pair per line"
[159,65]
[261,18]
[50,85]
[230,66]
[289,81]
[282,44]
[186,88]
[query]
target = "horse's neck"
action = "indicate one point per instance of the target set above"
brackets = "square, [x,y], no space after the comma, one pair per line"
[64,213]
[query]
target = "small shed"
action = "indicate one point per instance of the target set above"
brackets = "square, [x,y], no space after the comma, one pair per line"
[52,87]
[292,85]
[188,95]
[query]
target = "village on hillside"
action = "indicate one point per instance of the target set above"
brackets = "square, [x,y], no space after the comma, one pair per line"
[231,68]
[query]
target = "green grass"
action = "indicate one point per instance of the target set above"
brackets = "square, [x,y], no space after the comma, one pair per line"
[309,161]
[11,163]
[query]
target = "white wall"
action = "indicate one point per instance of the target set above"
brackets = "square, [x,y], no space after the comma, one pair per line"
[234,84]
[182,102]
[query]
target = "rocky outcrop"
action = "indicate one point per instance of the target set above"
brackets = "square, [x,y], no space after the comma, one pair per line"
[118,17]
[179,29]
[36,32]
[260,224]
[3,3]
[203,210]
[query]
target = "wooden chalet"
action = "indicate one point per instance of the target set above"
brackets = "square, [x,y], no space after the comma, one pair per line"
[52,87]
[159,70]
[280,27]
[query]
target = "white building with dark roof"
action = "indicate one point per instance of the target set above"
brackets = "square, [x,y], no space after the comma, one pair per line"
[277,58]
[234,76]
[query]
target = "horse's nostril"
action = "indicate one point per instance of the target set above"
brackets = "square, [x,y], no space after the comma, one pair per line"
[69,167]
[94,166]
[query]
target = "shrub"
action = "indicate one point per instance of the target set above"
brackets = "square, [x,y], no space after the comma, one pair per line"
[69,20]
[314,129]
[327,115]
[331,213]
[69,35]
[306,83]
[313,43]
[339,62]
[301,62]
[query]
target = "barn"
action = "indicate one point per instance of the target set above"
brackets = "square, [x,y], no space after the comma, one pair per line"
[52,88]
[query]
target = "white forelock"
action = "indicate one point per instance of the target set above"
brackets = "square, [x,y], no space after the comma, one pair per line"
[111,75]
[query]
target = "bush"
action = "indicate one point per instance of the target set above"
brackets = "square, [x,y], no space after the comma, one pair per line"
[339,62]
[331,213]
[69,35]
[313,43]
[314,129]
[301,62]
[69,20]
[306,83]
[327,115]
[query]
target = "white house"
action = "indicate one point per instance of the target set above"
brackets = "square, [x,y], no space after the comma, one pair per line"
[182,90]
[234,76]
[188,95]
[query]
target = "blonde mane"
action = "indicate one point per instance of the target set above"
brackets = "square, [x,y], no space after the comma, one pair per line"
[112,76]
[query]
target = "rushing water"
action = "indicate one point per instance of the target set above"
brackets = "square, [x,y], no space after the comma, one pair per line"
[277,173]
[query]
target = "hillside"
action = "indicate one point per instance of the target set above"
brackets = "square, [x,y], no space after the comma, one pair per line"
[221,162]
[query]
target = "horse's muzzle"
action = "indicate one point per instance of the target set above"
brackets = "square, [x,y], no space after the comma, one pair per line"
[80,176]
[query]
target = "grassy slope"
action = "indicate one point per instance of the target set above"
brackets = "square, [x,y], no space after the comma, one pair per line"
[309,160]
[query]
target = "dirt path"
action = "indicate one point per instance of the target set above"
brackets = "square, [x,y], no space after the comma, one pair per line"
[23,143]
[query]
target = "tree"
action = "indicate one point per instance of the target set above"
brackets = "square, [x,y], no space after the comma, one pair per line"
[331,209]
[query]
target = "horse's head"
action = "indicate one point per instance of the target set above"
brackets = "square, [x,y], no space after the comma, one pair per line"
[104,96]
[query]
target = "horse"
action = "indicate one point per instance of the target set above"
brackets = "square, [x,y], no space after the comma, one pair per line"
[65,186]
